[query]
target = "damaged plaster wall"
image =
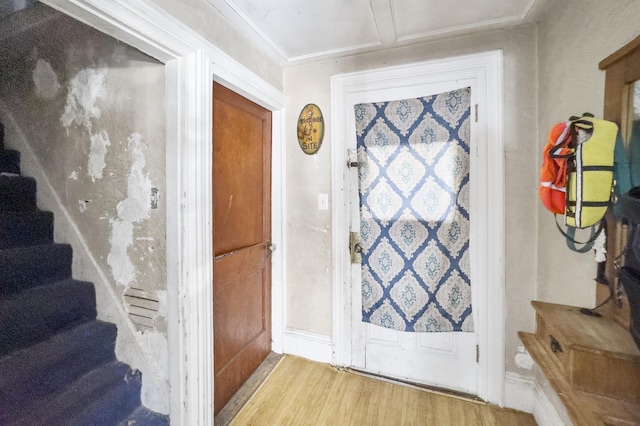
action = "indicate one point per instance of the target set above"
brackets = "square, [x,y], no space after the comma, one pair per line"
[92,111]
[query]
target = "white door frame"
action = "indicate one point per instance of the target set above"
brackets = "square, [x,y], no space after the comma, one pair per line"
[192,63]
[491,325]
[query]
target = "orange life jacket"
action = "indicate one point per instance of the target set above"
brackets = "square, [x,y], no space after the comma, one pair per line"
[553,173]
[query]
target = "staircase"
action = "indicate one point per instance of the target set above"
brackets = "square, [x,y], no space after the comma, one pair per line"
[57,361]
[591,362]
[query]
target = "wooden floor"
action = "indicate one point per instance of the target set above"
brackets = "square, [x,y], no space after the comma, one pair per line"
[301,392]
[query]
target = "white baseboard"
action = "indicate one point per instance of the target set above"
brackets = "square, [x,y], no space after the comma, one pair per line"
[531,395]
[519,392]
[315,347]
[548,409]
[544,412]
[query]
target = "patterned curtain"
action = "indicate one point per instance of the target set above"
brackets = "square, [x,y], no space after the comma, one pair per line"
[413,173]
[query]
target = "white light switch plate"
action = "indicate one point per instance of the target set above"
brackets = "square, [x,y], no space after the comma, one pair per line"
[323,201]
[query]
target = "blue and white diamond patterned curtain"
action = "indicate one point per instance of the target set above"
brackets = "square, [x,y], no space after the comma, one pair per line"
[413,173]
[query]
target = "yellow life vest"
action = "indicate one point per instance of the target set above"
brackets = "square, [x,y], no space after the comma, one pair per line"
[590,175]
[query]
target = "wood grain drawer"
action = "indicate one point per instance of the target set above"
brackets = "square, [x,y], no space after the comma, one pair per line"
[595,354]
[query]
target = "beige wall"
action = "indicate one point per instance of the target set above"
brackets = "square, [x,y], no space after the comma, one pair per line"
[572,41]
[309,230]
[205,20]
[550,72]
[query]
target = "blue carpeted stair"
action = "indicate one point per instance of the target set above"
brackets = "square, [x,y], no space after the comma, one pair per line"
[57,362]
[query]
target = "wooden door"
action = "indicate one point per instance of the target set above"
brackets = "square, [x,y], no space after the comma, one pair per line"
[241,234]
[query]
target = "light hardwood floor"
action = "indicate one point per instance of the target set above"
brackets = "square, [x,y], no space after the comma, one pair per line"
[301,392]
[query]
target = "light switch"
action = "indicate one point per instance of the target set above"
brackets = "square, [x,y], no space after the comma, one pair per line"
[323,201]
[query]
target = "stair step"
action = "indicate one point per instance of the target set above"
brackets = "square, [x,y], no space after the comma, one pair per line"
[36,314]
[144,417]
[9,161]
[21,229]
[57,362]
[41,370]
[24,267]
[113,406]
[76,400]
[17,193]
[595,354]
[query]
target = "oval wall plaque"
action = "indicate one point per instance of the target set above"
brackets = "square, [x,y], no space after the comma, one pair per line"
[310,129]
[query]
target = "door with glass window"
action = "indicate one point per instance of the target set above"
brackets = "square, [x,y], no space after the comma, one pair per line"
[412,209]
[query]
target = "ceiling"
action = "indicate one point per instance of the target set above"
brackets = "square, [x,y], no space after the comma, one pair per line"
[298,31]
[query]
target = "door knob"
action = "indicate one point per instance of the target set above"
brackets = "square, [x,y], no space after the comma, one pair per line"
[270,248]
[357,248]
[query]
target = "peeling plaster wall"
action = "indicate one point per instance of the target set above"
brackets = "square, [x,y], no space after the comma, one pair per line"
[309,277]
[92,110]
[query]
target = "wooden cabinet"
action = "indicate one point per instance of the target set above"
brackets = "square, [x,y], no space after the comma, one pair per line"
[591,362]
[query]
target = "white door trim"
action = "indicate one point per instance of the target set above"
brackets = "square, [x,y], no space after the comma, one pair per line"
[192,63]
[491,327]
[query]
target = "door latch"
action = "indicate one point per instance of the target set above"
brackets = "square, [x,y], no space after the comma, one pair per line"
[355,248]
[352,158]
